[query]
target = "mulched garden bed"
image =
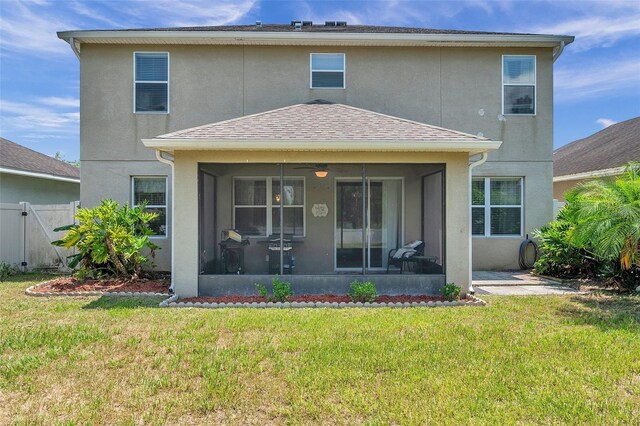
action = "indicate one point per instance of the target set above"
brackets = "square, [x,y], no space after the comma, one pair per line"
[330,298]
[112,285]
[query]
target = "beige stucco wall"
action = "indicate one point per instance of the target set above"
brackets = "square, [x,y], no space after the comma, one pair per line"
[457,88]
[559,188]
[15,188]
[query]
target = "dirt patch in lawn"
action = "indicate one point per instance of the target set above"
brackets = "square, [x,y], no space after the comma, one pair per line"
[110,285]
[331,298]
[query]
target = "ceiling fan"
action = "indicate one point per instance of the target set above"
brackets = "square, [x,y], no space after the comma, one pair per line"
[320,170]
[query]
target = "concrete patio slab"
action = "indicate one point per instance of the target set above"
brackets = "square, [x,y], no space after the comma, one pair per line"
[525,290]
[508,278]
[516,283]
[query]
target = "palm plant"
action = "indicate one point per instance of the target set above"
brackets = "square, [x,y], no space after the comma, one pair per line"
[606,215]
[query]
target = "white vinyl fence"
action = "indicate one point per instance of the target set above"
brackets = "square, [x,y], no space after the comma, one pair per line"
[26,233]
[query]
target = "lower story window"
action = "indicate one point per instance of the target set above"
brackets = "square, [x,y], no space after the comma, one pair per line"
[153,191]
[496,206]
[256,206]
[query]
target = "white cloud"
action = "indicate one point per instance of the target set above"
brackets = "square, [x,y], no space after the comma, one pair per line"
[30,27]
[605,122]
[57,101]
[598,79]
[597,30]
[24,116]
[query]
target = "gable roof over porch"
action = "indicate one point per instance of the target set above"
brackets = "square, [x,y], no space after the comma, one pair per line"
[321,126]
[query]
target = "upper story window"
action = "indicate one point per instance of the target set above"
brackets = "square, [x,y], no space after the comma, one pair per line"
[151,82]
[153,191]
[327,71]
[496,208]
[518,84]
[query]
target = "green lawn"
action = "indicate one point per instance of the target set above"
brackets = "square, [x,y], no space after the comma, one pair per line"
[530,360]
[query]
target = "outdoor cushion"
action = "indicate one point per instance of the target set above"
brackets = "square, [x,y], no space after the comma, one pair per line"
[401,252]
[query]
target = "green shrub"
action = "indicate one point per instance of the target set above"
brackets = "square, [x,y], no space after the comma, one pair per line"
[451,292]
[281,290]
[110,240]
[7,270]
[262,290]
[597,232]
[558,256]
[363,292]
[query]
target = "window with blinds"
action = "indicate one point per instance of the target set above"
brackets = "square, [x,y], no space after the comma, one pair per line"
[153,191]
[327,71]
[518,84]
[151,82]
[496,208]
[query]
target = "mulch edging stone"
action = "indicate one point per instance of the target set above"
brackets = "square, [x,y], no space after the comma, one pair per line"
[173,302]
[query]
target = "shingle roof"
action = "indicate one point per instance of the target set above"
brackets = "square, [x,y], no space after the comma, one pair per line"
[609,148]
[318,28]
[17,157]
[320,121]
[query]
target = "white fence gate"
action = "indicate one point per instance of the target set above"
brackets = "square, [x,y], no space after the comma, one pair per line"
[26,233]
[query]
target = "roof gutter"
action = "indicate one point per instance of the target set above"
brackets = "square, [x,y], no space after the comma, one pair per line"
[171,145]
[74,47]
[472,166]
[38,175]
[171,163]
[311,38]
[590,175]
[558,51]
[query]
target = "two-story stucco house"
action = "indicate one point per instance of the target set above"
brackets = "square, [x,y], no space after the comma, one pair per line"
[326,147]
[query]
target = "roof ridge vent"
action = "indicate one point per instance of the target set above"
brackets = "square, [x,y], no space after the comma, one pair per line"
[319,102]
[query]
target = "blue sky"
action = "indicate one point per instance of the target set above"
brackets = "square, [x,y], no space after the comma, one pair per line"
[597,79]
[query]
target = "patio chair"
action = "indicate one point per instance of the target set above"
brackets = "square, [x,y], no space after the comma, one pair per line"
[401,255]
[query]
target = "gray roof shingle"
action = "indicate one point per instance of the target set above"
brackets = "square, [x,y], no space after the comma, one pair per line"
[609,148]
[320,121]
[318,28]
[18,157]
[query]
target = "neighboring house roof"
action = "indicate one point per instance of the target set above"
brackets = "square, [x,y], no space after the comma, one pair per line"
[320,125]
[17,159]
[286,34]
[602,153]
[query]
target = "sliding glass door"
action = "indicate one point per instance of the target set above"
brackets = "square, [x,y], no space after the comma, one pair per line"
[382,204]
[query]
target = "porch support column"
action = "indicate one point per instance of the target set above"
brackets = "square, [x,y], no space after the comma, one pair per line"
[184,270]
[457,222]
[281,219]
[364,219]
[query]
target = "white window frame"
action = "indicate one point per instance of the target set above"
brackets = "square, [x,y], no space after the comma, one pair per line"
[168,82]
[343,70]
[270,206]
[535,83]
[487,207]
[150,206]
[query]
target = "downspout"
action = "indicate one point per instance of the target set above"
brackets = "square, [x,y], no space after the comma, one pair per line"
[558,51]
[471,167]
[72,43]
[170,162]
